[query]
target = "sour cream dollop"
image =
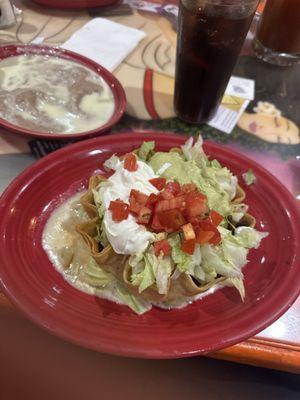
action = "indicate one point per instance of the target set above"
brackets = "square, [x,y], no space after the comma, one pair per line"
[127,236]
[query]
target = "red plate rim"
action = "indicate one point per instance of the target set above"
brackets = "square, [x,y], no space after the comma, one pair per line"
[117,89]
[274,306]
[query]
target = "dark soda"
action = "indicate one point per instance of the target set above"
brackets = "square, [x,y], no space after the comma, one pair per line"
[279,28]
[210,38]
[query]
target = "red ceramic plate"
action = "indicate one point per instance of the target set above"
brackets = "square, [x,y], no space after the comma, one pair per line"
[75,3]
[114,84]
[217,321]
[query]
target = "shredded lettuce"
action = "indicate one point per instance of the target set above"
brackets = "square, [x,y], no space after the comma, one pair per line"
[194,151]
[249,237]
[136,304]
[238,211]
[215,181]
[189,264]
[112,163]
[96,276]
[182,260]
[249,177]
[214,261]
[148,269]
[237,283]
[147,276]
[146,150]
[229,257]
[162,267]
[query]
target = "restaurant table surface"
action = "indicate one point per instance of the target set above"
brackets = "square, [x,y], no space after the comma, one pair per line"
[27,353]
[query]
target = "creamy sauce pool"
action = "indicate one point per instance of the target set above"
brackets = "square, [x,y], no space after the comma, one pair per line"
[53,95]
[69,254]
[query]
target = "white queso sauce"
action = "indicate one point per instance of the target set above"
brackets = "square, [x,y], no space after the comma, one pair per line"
[54,95]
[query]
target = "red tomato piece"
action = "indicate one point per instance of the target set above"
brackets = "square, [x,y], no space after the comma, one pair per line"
[162,246]
[173,187]
[171,220]
[159,183]
[188,246]
[144,215]
[207,225]
[196,204]
[164,205]
[216,239]
[152,199]
[215,217]
[156,226]
[138,196]
[166,195]
[119,210]
[134,206]
[130,162]
[204,237]
[189,187]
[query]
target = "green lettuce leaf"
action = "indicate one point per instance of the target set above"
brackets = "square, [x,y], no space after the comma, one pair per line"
[248,237]
[148,269]
[136,304]
[112,162]
[182,260]
[249,177]
[96,276]
[237,283]
[146,150]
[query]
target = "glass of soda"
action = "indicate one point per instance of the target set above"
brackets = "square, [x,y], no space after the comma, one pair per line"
[210,36]
[278,35]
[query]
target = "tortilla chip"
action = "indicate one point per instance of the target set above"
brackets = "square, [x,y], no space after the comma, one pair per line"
[87,200]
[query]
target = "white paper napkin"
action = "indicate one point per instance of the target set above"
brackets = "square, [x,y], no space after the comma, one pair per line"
[104,41]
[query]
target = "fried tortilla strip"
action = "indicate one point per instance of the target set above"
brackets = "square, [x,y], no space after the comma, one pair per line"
[87,200]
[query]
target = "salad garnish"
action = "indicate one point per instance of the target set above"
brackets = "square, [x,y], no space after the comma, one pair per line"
[174,222]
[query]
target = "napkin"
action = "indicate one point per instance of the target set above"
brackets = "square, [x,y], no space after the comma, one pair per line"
[104,41]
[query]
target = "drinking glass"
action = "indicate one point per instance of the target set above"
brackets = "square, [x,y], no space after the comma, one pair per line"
[210,36]
[278,35]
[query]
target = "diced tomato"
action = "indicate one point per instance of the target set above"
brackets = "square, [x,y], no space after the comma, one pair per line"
[204,236]
[196,204]
[166,195]
[156,226]
[188,187]
[130,162]
[216,239]
[196,194]
[171,220]
[215,217]
[152,199]
[188,246]
[164,205]
[188,231]
[144,215]
[134,206]
[159,183]
[162,246]
[207,225]
[119,210]
[139,197]
[173,187]
[195,221]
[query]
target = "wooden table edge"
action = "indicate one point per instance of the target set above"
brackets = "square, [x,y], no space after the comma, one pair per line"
[260,353]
